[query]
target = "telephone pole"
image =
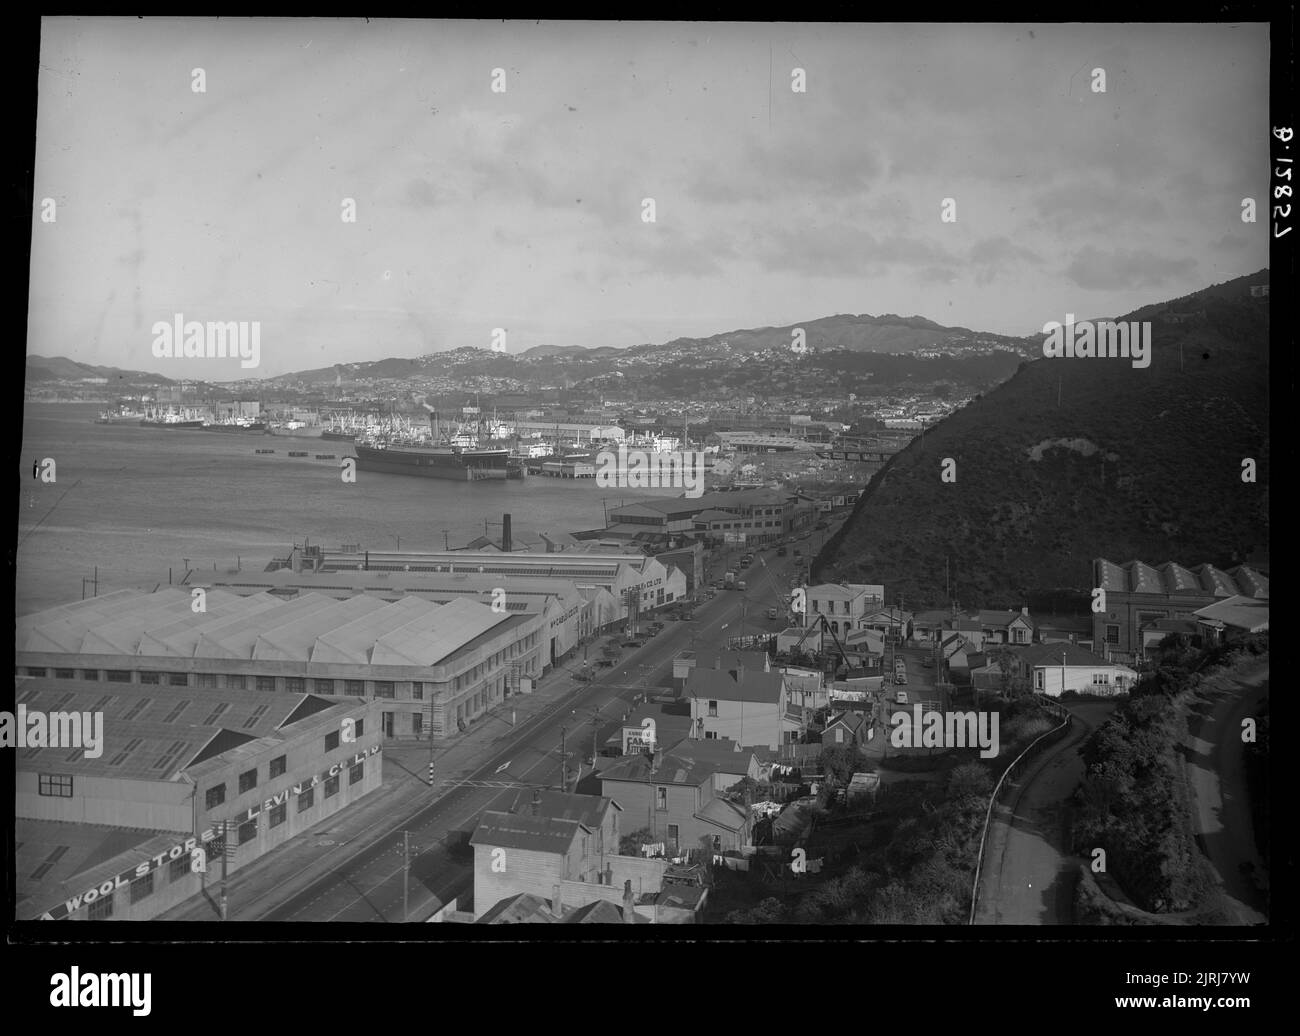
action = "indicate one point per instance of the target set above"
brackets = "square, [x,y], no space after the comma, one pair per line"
[406,875]
[225,866]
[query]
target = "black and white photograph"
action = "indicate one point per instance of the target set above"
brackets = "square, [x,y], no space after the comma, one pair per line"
[762,476]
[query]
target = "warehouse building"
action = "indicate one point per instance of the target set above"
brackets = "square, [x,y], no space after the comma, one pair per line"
[572,614]
[433,667]
[232,772]
[1139,595]
[650,583]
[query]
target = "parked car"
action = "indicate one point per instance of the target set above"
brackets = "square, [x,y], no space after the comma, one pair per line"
[605,663]
[900,697]
[633,643]
[780,552]
[741,586]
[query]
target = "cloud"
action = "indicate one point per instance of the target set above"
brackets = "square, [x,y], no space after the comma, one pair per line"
[1118,269]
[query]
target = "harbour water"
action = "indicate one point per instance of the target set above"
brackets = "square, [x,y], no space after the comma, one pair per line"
[138,501]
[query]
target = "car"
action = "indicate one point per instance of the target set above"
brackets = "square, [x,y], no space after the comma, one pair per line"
[780,552]
[633,643]
[605,663]
[901,697]
[741,585]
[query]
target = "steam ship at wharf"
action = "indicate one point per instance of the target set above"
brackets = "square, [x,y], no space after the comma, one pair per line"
[456,456]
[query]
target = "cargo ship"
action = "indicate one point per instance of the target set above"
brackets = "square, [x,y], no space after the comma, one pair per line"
[237,425]
[458,463]
[122,416]
[173,419]
[338,435]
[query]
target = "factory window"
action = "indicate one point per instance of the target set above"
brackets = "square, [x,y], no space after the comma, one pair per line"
[216,796]
[101,909]
[417,724]
[90,674]
[208,681]
[35,670]
[247,832]
[417,691]
[661,798]
[235,682]
[117,676]
[360,727]
[178,868]
[306,799]
[357,773]
[294,684]
[324,686]
[354,688]
[277,766]
[331,740]
[1112,634]
[384,689]
[55,784]
[266,683]
[278,814]
[248,780]
[142,887]
[332,787]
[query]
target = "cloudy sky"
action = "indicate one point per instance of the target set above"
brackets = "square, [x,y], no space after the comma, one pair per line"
[523,209]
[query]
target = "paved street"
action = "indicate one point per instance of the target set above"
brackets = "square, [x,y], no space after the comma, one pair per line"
[350,867]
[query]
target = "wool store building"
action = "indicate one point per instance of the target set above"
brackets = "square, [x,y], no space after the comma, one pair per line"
[181,768]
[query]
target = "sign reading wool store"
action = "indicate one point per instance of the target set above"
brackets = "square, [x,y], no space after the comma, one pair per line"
[110,885]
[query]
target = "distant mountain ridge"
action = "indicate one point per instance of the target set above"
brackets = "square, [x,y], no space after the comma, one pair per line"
[1077,458]
[60,368]
[847,333]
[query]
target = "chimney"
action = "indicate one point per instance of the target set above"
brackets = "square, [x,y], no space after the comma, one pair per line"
[629,903]
[1024,610]
[557,901]
[505,534]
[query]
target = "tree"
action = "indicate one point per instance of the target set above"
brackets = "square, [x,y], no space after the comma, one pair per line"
[969,780]
[841,762]
[744,791]
[630,845]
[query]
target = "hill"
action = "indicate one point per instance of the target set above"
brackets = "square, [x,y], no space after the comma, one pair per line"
[1075,458]
[60,368]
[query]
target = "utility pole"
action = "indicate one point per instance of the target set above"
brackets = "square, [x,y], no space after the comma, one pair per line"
[564,764]
[406,875]
[225,866]
[444,540]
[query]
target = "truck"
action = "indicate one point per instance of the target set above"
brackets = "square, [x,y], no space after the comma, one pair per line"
[730,578]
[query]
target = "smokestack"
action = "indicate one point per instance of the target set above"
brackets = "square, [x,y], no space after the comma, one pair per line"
[629,903]
[505,534]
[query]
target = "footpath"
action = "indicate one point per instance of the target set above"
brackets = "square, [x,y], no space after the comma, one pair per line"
[259,886]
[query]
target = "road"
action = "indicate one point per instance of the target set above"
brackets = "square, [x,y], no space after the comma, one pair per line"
[1220,797]
[368,885]
[1028,866]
